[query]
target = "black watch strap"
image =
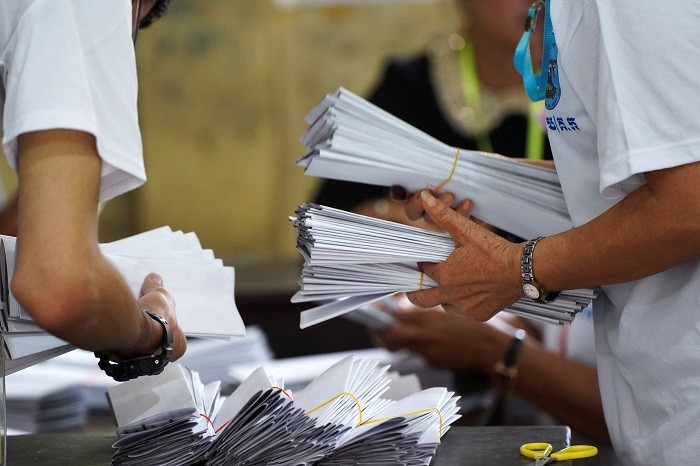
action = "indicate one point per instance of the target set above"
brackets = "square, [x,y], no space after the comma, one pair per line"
[146,365]
[505,371]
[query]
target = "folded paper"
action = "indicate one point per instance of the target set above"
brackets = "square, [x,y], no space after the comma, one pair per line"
[341,417]
[202,286]
[357,260]
[351,139]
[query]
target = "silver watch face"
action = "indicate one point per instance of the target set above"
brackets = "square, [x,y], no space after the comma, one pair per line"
[531,291]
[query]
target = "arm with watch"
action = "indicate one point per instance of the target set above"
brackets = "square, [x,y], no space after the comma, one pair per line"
[62,279]
[565,388]
[652,229]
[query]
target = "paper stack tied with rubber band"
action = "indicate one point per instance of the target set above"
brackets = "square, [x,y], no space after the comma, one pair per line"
[202,286]
[339,418]
[351,139]
[357,260]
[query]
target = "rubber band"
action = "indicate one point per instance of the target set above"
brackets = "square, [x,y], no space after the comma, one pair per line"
[354,398]
[282,390]
[420,282]
[372,421]
[223,426]
[452,172]
[208,420]
[216,431]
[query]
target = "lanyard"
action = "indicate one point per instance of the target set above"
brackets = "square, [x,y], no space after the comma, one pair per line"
[535,84]
[534,145]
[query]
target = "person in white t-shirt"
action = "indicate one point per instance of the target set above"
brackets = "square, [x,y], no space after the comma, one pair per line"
[624,125]
[70,130]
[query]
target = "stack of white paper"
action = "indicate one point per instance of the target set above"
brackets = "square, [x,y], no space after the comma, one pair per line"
[339,418]
[362,259]
[202,287]
[56,395]
[407,431]
[352,388]
[163,419]
[269,429]
[37,406]
[353,140]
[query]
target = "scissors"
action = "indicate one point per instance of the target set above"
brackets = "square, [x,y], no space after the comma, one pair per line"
[542,452]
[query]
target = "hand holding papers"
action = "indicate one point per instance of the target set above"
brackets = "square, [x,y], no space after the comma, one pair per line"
[353,140]
[202,287]
[360,259]
[339,418]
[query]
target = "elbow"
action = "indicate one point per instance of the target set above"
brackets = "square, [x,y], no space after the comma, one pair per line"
[57,300]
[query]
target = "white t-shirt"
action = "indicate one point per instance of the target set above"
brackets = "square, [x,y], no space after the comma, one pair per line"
[70,64]
[575,341]
[629,82]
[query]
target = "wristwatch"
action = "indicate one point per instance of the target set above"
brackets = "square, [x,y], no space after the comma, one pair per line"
[531,288]
[146,365]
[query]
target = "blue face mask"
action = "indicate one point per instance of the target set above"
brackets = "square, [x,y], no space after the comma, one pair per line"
[535,84]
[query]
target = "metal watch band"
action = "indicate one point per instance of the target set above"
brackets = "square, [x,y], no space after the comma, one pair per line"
[530,287]
[146,365]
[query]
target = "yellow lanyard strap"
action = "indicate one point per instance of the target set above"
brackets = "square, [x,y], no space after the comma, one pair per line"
[534,143]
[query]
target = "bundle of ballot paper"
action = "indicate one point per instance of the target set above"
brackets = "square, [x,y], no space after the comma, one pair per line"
[202,286]
[351,139]
[357,260]
[339,418]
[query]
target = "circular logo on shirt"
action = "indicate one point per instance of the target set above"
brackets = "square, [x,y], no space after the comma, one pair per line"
[553,90]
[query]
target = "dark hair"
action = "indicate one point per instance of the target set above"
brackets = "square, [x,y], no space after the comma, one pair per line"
[158,10]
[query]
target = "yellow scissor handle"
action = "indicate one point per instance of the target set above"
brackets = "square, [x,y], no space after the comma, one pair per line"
[536,449]
[575,452]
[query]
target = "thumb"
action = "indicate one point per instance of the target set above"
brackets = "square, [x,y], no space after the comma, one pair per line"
[453,223]
[152,282]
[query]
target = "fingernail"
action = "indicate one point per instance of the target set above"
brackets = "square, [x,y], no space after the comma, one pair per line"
[429,200]
[398,193]
[156,278]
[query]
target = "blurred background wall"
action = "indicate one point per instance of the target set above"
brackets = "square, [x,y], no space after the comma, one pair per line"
[224,87]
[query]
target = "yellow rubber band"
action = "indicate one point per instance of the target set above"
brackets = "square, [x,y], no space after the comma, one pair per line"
[354,398]
[452,172]
[420,282]
[372,421]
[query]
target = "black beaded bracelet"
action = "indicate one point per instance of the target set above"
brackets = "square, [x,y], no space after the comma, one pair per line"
[146,365]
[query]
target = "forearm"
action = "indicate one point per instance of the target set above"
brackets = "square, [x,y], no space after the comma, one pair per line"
[652,229]
[566,389]
[61,278]
[95,311]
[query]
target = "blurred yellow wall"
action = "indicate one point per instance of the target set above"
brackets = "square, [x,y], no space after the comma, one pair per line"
[224,87]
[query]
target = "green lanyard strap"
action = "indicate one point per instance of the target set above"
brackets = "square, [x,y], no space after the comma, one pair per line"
[534,145]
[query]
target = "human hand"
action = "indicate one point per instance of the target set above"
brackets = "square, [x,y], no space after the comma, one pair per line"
[158,300]
[415,214]
[414,209]
[445,340]
[481,276]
